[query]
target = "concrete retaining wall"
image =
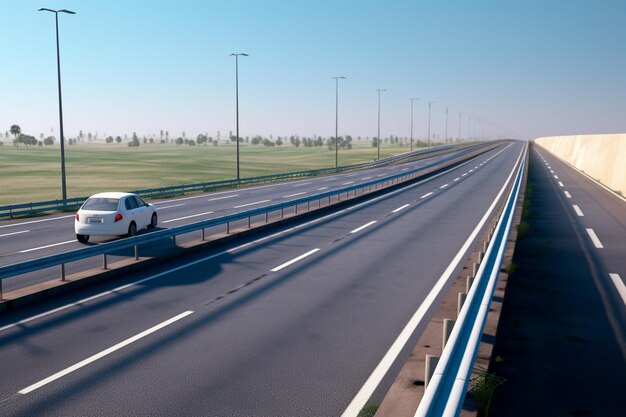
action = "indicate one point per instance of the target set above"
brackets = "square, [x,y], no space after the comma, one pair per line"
[602,157]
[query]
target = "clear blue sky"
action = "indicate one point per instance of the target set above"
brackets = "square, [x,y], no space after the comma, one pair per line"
[531,68]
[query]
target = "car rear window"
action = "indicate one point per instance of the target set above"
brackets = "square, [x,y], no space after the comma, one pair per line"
[101,204]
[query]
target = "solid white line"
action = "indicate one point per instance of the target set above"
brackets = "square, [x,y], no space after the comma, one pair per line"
[36,221]
[102,354]
[223,198]
[15,233]
[426,195]
[370,385]
[443,186]
[561,184]
[322,189]
[567,194]
[400,208]
[294,260]
[577,210]
[293,195]
[47,246]
[358,229]
[457,178]
[348,183]
[251,204]
[619,284]
[188,217]
[175,205]
[594,238]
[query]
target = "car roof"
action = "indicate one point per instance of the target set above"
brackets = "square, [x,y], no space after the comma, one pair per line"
[111,194]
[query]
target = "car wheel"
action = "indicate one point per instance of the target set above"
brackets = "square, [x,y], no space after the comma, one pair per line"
[153,221]
[82,238]
[132,229]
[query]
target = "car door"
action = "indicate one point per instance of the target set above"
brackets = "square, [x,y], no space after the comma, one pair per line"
[143,212]
[131,210]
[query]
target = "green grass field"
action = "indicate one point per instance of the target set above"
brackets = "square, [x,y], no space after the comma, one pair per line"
[33,174]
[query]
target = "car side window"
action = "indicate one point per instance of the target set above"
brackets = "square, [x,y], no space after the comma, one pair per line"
[139,201]
[130,203]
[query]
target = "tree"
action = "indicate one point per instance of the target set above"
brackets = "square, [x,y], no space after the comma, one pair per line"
[49,141]
[135,142]
[179,141]
[109,139]
[118,139]
[279,142]
[89,137]
[27,140]
[161,134]
[16,130]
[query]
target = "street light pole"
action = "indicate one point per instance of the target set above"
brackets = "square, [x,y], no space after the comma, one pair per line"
[56,18]
[429,103]
[237,102]
[446,138]
[337,119]
[412,100]
[459,127]
[378,137]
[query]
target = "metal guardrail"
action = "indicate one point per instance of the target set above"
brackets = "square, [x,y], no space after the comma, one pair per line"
[447,387]
[136,241]
[75,202]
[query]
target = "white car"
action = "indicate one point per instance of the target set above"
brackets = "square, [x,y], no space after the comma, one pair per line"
[111,214]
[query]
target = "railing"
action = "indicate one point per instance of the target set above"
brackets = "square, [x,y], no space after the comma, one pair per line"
[446,389]
[136,241]
[75,202]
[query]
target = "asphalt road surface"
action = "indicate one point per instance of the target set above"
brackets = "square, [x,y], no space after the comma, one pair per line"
[290,323]
[562,333]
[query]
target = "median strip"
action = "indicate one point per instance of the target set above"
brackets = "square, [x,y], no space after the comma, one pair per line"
[102,354]
[294,260]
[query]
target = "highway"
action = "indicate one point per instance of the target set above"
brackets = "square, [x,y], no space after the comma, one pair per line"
[25,239]
[287,323]
[599,219]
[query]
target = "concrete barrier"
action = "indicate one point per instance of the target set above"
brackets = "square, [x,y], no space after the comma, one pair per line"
[602,157]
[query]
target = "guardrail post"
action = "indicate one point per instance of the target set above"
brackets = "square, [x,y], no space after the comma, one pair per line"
[62,272]
[203,234]
[227,227]
[281,212]
[481,255]
[249,220]
[266,216]
[460,302]
[174,240]
[1,296]
[104,261]
[475,269]
[448,324]
[468,283]
[429,369]
[136,252]
[296,209]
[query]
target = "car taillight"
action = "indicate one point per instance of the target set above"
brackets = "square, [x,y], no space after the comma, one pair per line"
[118,217]
[77,219]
